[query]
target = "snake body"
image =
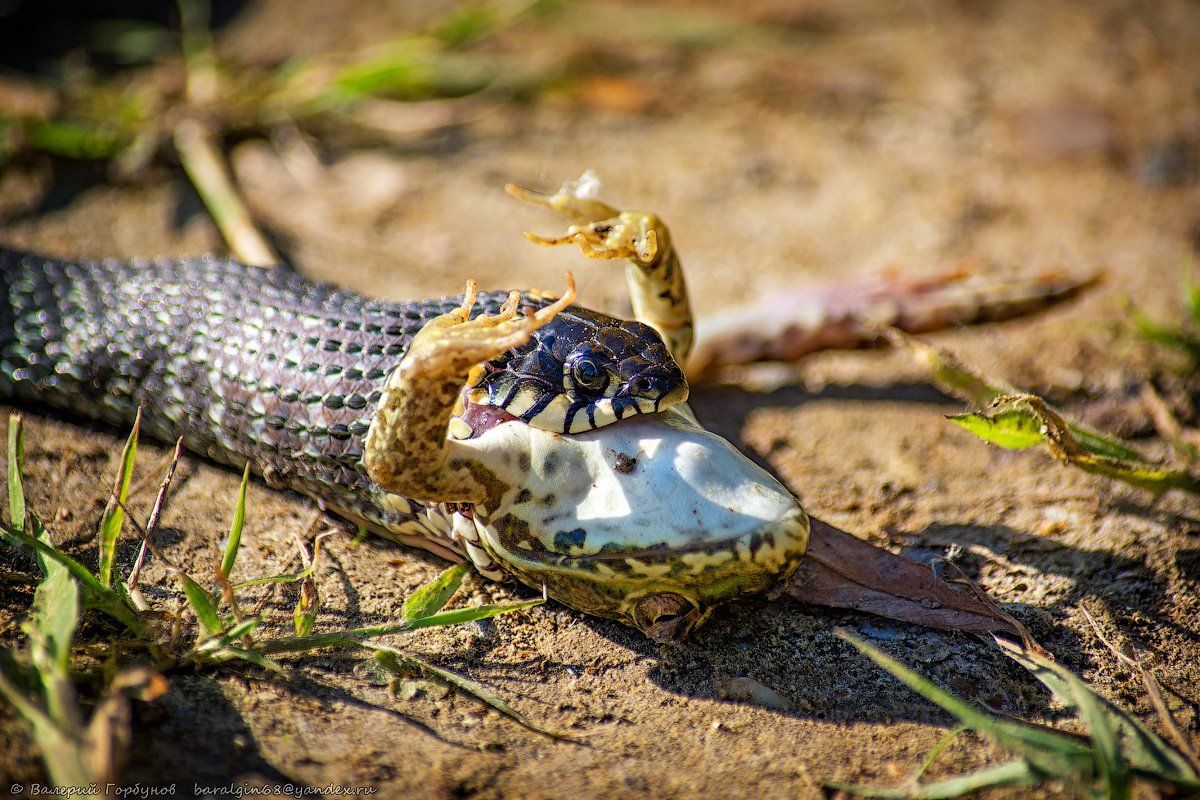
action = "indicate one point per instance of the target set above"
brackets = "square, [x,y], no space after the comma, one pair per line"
[247,365]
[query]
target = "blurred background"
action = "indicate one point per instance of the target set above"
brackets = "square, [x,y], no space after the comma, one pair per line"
[779,139]
[783,141]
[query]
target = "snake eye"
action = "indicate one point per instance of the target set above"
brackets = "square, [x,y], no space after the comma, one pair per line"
[588,374]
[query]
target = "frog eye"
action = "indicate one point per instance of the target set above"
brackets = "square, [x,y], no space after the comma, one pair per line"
[588,374]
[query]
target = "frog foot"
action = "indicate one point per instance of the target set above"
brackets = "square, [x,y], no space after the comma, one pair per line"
[601,231]
[406,450]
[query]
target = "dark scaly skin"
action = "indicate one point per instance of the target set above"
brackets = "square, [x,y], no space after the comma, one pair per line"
[246,364]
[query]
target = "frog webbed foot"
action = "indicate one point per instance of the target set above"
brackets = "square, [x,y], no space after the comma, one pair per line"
[601,231]
[406,450]
[653,273]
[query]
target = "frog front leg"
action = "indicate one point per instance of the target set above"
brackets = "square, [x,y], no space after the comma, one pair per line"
[653,273]
[406,450]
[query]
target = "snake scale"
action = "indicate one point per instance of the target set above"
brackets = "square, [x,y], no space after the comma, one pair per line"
[246,364]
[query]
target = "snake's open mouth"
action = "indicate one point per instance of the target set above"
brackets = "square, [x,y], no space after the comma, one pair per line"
[482,418]
[590,371]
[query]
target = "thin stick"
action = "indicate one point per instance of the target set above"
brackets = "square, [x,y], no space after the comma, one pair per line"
[311,523]
[206,167]
[155,513]
[1153,691]
[154,551]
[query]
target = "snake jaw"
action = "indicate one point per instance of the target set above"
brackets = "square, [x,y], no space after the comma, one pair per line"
[582,370]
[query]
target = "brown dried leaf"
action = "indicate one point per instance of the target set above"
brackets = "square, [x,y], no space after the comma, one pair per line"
[841,571]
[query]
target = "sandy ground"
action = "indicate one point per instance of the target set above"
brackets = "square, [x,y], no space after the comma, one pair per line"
[1014,135]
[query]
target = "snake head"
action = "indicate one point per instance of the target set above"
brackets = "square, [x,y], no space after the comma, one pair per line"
[582,370]
[654,521]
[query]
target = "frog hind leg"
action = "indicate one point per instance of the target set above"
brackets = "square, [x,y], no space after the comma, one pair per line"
[653,272]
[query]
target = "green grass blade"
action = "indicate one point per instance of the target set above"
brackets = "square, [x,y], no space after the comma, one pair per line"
[1017,430]
[52,619]
[254,657]
[38,532]
[1143,750]
[291,577]
[1193,299]
[308,602]
[62,752]
[235,529]
[1047,751]
[50,628]
[16,468]
[96,594]
[474,22]
[1014,772]
[399,661]
[1166,335]
[404,68]
[1101,445]
[202,605]
[951,376]
[114,511]
[937,749]
[458,616]
[77,570]
[464,25]
[350,637]
[1013,422]
[433,597]
[1009,429]
[70,139]
[243,628]
[1109,760]
[961,381]
[1020,421]
[235,632]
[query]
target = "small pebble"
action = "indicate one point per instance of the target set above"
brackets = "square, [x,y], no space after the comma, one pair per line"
[749,690]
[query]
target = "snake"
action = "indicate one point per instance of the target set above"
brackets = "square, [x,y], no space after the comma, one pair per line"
[540,440]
